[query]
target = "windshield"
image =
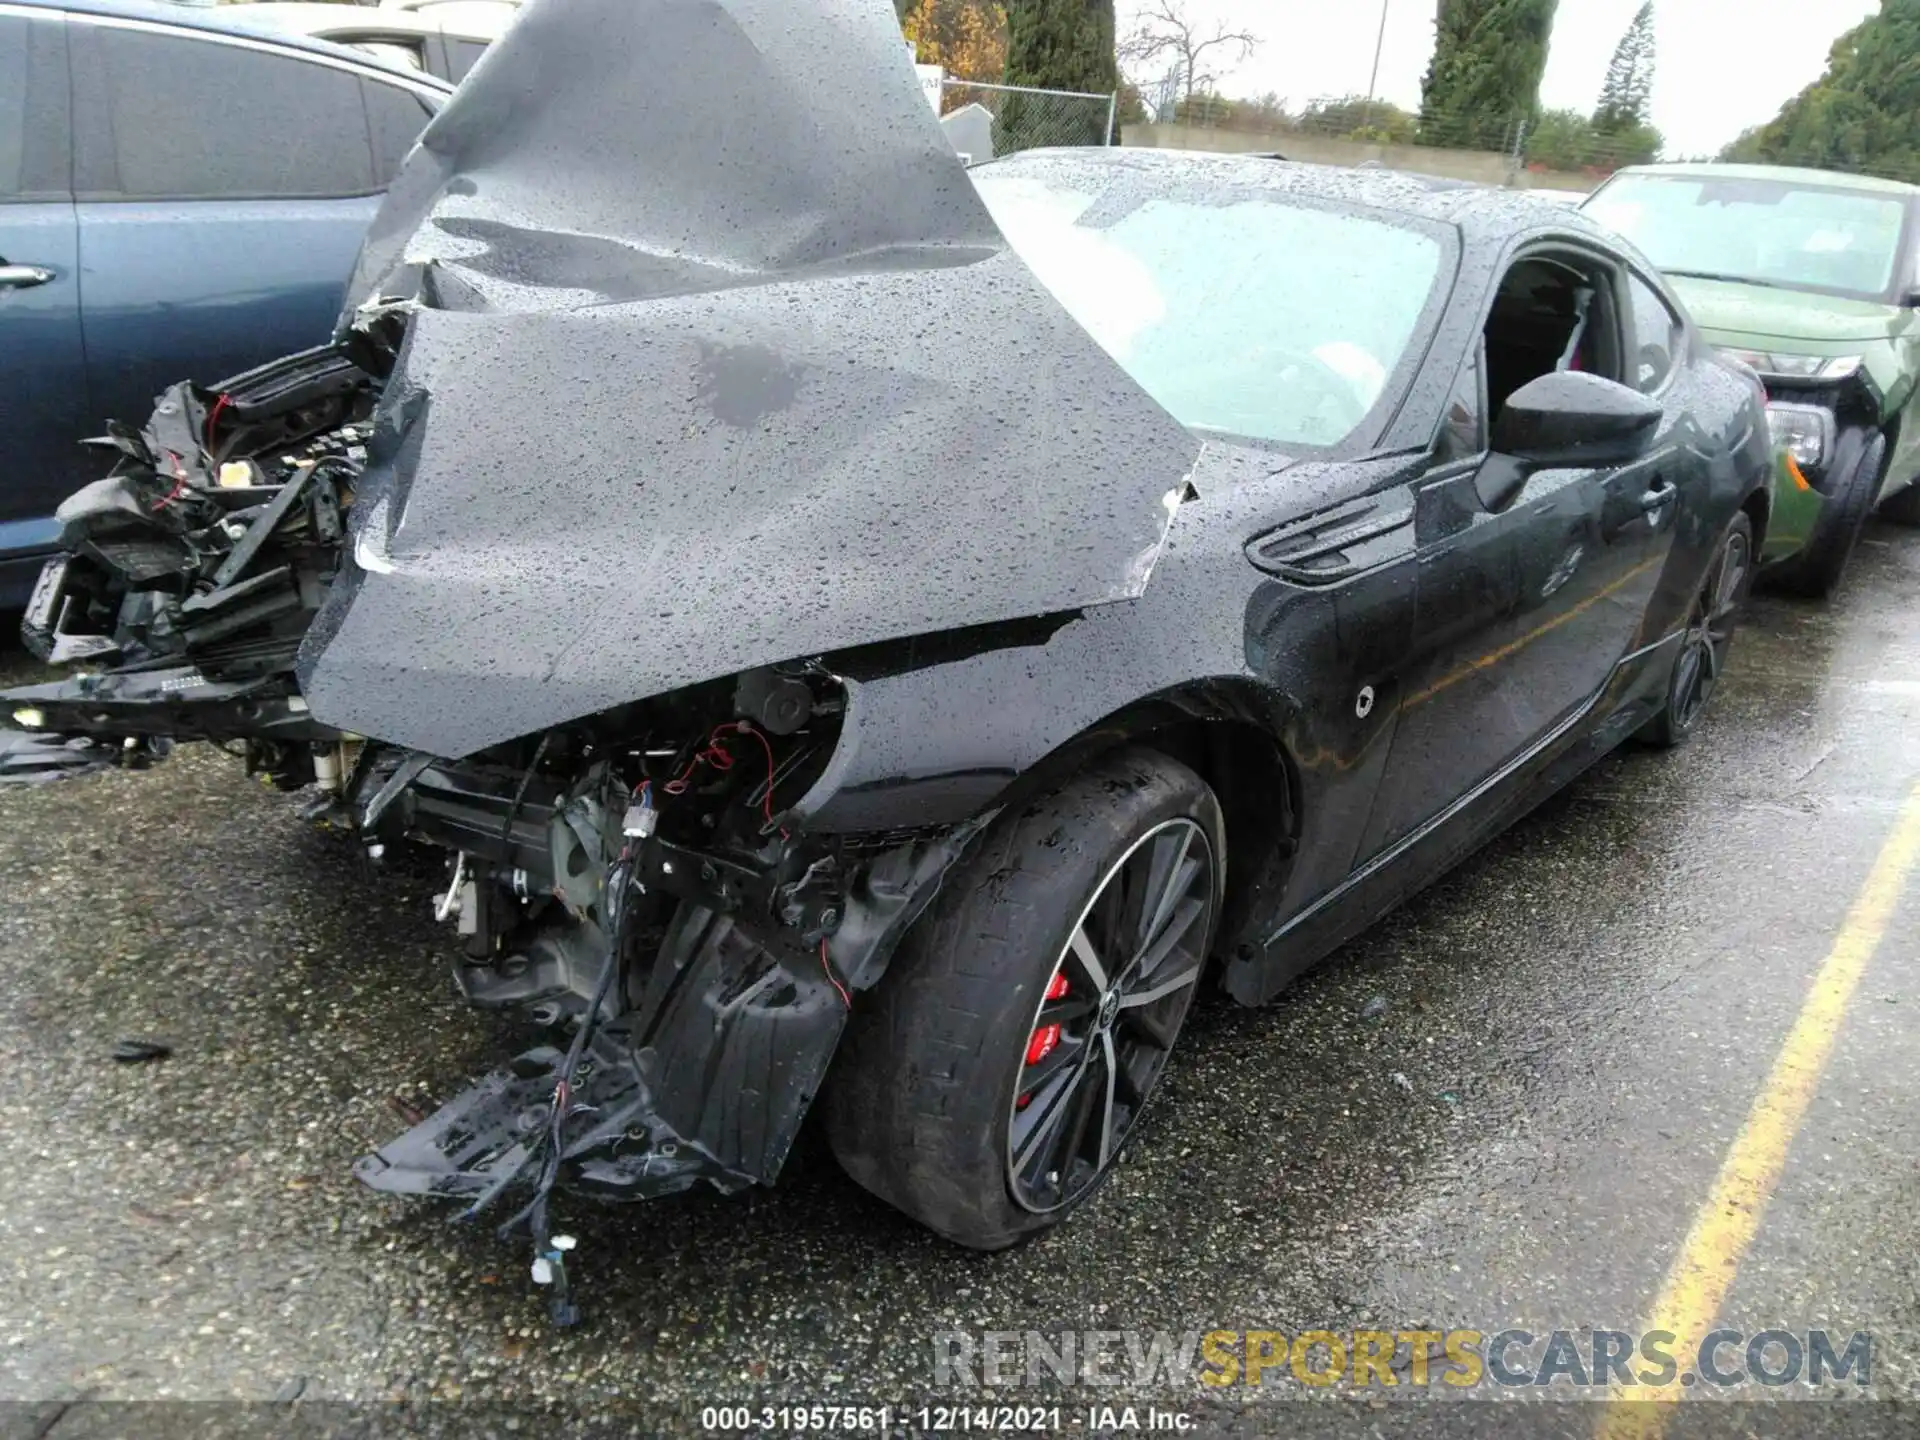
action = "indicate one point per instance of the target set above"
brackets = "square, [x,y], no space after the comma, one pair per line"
[1246,316]
[1769,232]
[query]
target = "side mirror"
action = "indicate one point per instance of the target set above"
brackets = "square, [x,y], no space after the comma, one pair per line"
[1911,300]
[1568,418]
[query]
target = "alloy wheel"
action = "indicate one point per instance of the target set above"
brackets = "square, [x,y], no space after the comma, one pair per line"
[1109,1014]
[1703,652]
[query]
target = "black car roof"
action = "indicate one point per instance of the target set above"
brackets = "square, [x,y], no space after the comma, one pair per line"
[1480,212]
[228,20]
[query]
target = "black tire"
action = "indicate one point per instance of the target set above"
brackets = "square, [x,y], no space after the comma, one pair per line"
[1704,644]
[1859,455]
[933,1077]
[1903,506]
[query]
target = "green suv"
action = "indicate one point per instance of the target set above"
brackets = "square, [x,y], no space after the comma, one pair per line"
[1812,279]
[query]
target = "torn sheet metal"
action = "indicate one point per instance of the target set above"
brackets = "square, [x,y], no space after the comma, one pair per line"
[481,1146]
[718,360]
[709,1079]
[28,759]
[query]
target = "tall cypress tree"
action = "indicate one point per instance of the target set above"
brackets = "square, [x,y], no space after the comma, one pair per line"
[1057,45]
[1626,100]
[1484,78]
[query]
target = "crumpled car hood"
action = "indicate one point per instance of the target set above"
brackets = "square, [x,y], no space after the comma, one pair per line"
[719,361]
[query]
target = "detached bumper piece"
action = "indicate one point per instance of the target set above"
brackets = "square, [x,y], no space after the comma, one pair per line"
[149,707]
[482,1145]
[27,759]
[707,1078]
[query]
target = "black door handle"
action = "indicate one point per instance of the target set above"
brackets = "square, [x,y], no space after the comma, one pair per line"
[20,277]
[1661,495]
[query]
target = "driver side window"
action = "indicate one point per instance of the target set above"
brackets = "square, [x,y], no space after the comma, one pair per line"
[1551,312]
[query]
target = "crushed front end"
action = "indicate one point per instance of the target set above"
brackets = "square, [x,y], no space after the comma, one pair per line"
[544,561]
[641,880]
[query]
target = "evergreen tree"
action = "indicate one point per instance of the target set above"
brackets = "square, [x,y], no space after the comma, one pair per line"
[1626,100]
[1568,140]
[1859,115]
[1484,78]
[1057,45]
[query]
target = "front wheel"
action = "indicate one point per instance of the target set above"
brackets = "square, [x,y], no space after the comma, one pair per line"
[1859,456]
[1008,1054]
[1707,639]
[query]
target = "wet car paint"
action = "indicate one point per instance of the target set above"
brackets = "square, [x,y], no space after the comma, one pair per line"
[1775,318]
[1583,1013]
[1795,512]
[784,397]
[1395,716]
[1369,718]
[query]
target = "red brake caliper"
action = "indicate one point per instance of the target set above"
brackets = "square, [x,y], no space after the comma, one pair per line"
[1046,1038]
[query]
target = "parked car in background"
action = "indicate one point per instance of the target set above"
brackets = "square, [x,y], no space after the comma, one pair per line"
[210,187]
[443,40]
[502,10]
[1811,278]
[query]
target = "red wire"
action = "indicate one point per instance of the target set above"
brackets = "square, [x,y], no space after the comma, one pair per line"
[834,980]
[714,754]
[719,757]
[213,418]
[179,483]
[766,801]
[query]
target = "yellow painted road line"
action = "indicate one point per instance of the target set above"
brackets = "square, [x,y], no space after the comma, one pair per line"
[1725,1224]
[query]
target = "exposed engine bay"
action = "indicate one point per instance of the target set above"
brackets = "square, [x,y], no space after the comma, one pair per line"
[632,876]
[550,560]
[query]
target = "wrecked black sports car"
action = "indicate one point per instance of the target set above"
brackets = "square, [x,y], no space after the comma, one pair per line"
[868,631]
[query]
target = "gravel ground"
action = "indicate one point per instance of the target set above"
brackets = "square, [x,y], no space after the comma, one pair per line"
[1500,1106]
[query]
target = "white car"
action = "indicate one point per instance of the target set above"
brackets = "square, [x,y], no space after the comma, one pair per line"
[436,6]
[440,37]
[479,16]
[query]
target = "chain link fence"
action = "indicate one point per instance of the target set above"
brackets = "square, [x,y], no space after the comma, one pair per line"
[1355,118]
[1568,144]
[1002,119]
[1556,149]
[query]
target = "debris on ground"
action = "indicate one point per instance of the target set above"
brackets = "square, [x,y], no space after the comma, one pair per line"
[137,1052]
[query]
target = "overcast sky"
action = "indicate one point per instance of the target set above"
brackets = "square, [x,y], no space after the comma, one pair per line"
[1723,64]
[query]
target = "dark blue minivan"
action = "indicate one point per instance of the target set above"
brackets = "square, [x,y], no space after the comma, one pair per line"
[179,196]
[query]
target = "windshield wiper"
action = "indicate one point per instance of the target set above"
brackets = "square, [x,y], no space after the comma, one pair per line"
[1729,279]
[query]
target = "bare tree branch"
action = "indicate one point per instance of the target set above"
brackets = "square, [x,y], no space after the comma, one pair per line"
[1164,30]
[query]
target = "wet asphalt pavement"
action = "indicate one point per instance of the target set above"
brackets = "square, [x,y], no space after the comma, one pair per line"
[1500,1108]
